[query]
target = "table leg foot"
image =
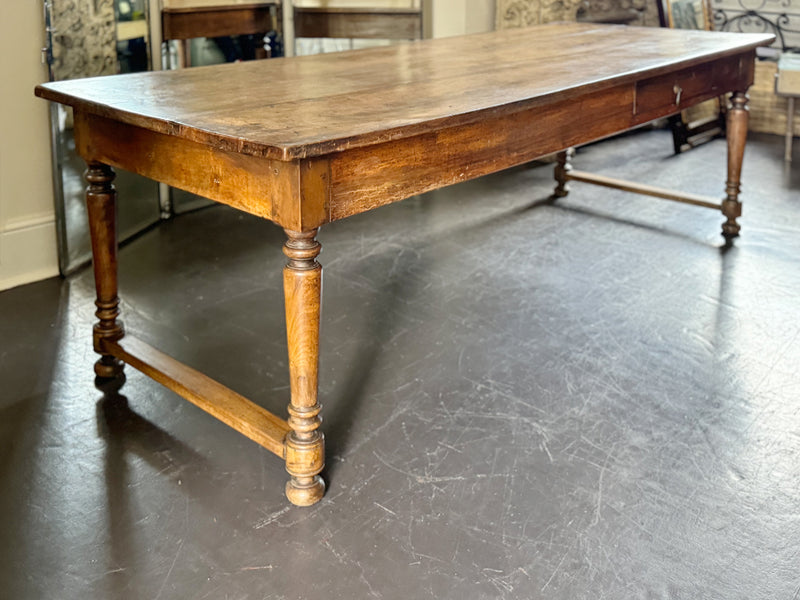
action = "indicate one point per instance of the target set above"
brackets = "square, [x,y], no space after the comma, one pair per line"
[737,136]
[108,367]
[730,228]
[305,491]
[305,444]
[562,169]
[102,211]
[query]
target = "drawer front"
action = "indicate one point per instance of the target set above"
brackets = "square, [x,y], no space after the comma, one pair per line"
[670,93]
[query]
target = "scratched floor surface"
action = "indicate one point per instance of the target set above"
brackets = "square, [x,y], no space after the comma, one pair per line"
[582,400]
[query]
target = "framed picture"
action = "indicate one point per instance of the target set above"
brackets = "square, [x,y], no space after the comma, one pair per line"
[705,121]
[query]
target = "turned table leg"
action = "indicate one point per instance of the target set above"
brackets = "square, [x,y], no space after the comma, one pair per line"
[101,207]
[562,169]
[305,444]
[737,136]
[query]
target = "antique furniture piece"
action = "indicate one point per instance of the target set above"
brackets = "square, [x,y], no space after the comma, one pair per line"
[187,19]
[787,83]
[273,138]
[352,19]
[372,22]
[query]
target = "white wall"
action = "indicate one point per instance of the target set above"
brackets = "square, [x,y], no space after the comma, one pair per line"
[27,218]
[457,17]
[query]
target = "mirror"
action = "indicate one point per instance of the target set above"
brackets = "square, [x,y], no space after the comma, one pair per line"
[688,14]
[89,38]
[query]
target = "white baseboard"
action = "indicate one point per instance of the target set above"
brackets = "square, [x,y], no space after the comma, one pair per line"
[28,251]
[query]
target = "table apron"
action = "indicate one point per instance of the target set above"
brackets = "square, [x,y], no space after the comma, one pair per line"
[303,194]
[365,178]
[293,194]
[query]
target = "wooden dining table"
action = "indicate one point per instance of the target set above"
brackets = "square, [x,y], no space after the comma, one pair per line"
[307,141]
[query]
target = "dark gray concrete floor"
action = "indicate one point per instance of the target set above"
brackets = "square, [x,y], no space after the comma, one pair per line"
[590,399]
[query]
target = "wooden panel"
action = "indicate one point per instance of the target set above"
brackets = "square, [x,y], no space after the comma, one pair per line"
[234,410]
[130,30]
[353,23]
[240,181]
[259,186]
[312,180]
[366,178]
[675,91]
[183,24]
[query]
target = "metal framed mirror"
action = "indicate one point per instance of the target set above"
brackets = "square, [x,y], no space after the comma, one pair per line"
[90,38]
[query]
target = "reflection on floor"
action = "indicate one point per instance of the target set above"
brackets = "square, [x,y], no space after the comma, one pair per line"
[587,399]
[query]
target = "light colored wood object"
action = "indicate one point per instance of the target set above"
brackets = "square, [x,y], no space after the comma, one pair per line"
[234,410]
[305,444]
[787,83]
[363,19]
[353,19]
[275,139]
[768,110]
[639,188]
[130,30]
[787,80]
[215,21]
[101,198]
[346,22]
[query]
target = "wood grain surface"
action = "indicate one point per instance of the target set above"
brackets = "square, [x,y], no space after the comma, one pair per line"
[363,23]
[215,21]
[310,106]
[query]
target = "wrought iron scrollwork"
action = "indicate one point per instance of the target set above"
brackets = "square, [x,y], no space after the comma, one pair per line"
[761,16]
